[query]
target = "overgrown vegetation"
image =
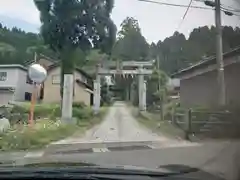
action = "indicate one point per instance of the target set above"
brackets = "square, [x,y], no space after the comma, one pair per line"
[47,127]
[153,122]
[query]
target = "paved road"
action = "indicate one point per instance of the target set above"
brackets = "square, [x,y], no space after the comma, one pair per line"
[119,126]
[220,159]
[147,149]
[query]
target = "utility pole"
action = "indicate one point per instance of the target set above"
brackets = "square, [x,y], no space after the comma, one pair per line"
[35,57]
[219,54]
[159,90]
[158,68]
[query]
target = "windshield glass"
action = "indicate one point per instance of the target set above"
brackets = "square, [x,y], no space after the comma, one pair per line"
[121,83]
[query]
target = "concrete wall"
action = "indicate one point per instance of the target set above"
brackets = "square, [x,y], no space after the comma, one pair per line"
[52,91]
[16,78]
[12,77]
[201,90]
[22,86]
[232,81]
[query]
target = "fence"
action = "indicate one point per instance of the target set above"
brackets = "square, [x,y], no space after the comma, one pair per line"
[207,124]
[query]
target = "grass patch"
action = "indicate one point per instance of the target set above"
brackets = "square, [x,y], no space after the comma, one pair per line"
[46,131]
[35,138]
[153,122]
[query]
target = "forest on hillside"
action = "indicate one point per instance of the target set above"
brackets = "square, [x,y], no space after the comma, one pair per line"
[175,52]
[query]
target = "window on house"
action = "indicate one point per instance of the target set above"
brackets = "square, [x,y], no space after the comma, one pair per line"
[28,80]
[28,96]
[3,76]
[55,79]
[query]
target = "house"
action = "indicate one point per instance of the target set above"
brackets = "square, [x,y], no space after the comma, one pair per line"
[14,84]
[199,84]
[50,90]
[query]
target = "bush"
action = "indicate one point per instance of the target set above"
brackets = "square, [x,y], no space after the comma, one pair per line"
[35,138]
[40,110]
[19,109]
[79,105]
[82,113]
[47,131]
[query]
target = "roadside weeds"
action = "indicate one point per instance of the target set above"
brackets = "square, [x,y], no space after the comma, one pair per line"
[46,131]
[153,122]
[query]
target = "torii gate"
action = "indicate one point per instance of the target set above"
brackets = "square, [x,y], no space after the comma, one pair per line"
[139,69]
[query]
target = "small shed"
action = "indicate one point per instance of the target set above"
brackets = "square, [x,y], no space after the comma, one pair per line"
[199,83]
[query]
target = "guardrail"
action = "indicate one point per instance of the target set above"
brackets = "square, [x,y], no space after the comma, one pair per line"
[205,123]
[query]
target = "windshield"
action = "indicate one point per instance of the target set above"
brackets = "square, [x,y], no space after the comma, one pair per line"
[121,83]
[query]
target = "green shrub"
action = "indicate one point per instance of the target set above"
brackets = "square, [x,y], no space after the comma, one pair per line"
[46,131]
[82,113]
[19,109]
[79,105]
[40,110]
[35,138]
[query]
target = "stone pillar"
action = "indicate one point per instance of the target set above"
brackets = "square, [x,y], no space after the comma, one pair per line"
[144,95]
[96,95]
[127,93]
[132,92]
[140,90]
[67,98]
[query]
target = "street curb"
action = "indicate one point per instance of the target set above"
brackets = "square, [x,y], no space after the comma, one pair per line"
[55,148]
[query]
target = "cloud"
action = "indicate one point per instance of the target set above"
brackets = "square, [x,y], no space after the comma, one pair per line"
[20,9]
[156,21]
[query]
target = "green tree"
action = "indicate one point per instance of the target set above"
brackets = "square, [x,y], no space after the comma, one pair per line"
[105,93]
[131,44]
[17,46]
[157,90]
[71,24]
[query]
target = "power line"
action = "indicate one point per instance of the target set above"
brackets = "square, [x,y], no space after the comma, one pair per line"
[187,9]
[176,5]
[231,10]
[222,6]
[234,9]
[185,14]
[186,6]
[227,11]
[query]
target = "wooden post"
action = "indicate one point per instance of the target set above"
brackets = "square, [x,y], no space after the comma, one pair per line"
[173,116]
[188,129]
[33,101]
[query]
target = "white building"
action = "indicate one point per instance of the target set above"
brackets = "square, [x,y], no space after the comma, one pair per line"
[173,83]
[14,84]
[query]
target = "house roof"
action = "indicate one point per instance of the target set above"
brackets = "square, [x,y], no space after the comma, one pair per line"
[10,66]
[57,64]
[5,88]
[206,62]
[29,62]
[84,84]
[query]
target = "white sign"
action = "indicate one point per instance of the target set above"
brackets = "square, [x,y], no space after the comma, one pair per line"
[37,73]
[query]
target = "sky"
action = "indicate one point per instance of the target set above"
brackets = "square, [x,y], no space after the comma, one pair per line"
[156,21]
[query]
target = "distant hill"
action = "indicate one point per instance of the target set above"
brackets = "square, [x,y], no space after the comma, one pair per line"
[14,22]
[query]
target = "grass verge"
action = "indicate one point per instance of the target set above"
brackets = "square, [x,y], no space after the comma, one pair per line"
[44,132]
[153,122]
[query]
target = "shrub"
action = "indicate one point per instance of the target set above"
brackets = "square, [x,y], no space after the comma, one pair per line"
[82,113]
[79,105]
[35,138]
[40,110]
